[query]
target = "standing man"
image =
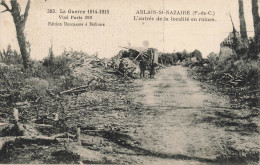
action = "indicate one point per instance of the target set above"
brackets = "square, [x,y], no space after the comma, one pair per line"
[152,70]
[142,68]
[121,68]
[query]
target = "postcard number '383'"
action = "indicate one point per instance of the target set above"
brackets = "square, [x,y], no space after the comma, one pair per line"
[51,11]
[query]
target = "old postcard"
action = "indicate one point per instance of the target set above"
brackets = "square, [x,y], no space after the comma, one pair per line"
[129,82]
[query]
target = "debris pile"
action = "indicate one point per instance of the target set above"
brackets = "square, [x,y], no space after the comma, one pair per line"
[127,62]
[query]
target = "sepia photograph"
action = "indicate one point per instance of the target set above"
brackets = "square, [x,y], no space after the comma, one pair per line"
[158,82]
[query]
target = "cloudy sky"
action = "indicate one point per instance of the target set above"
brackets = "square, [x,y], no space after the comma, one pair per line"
[121,30]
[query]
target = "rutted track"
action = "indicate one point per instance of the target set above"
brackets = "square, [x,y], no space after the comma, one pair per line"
[183,121]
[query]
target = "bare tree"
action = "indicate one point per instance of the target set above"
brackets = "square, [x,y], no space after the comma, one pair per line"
[256,19]
[19,21]
[243,31]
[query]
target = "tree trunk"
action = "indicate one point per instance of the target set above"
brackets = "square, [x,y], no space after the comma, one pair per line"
[19,21]
[22,44]
[243,31]
[256,19]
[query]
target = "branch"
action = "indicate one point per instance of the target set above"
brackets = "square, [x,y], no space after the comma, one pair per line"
[6,7]
[77,89]
[26,11]
[4,11]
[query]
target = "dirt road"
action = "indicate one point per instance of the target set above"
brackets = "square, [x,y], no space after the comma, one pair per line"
[181,120]
[171,119]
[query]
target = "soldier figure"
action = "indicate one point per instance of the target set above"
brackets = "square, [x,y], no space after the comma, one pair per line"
[152,70]
[142,68]
[121,68]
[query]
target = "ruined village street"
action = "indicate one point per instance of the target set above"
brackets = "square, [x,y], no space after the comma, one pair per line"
[170,119]
[184,121]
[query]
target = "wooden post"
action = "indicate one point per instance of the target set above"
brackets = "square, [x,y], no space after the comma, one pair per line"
[16,114]
[37,115]
[56,117]
[78,135]
[153,55]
